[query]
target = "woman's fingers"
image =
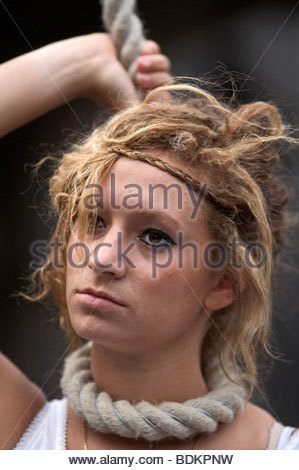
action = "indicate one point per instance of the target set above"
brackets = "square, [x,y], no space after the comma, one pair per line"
[152,80]
[153,63]
[150,47]
[152,69]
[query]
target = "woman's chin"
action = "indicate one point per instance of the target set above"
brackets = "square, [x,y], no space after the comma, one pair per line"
[97,331]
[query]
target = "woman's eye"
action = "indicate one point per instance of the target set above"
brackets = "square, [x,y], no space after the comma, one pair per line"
[98,221]
[151,236]
[154,236]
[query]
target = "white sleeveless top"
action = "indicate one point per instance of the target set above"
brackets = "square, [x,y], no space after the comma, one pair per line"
[47,431]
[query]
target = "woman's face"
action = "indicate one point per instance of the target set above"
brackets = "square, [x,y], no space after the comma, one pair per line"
[137,256]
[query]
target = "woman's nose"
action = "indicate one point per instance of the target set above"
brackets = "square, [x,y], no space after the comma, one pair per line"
[111,254]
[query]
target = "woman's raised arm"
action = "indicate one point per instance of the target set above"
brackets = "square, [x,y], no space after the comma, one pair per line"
[84,66]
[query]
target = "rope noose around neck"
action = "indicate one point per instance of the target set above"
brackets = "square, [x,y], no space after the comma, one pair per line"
[145,420]
[126,30]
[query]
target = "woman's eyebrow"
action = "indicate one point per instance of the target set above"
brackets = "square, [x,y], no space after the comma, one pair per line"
[159,216]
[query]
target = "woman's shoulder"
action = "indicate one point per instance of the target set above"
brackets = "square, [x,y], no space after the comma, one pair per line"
[258,429]
[249,430]
[256,425]
[252,428]
[279,436]
[20,401]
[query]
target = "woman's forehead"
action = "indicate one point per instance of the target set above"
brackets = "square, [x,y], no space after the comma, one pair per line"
[139,187]
[145,186]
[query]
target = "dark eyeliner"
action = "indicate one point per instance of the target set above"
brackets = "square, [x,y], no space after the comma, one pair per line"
[148,230]
[162,235]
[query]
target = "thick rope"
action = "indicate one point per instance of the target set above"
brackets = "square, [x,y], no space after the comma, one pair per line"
[126,30]
[143,419]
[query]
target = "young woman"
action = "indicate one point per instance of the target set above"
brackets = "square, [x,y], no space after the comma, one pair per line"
[169,222]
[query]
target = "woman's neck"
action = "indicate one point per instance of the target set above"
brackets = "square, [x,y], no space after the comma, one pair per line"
[155,377]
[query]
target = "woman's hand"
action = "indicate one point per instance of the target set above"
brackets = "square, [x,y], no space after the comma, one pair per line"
[107,82]
[85,66]
[153,68]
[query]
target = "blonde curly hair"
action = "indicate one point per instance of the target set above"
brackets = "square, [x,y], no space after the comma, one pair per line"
[237,146]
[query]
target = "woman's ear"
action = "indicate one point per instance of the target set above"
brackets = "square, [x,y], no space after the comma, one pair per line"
[220,294]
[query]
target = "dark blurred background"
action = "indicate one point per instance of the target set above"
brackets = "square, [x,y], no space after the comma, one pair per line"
[259,40]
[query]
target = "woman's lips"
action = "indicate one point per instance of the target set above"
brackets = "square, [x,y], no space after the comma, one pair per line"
[95,302]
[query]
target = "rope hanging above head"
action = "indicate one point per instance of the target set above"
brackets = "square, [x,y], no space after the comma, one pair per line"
[126,30]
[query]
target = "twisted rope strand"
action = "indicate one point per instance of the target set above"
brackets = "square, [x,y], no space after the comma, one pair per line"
[126,30]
